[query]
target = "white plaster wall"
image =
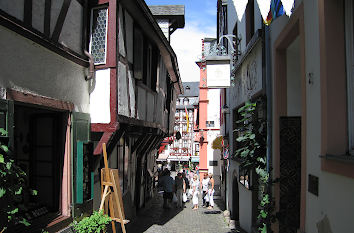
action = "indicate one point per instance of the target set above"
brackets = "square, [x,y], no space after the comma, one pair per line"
[293,77]
[14,8]
[38,17]
[214,107]
[99,99]
[71,34]
[29,67]
[129,22]
[245,203]
[141,104]
[54,13]
[335,192]
[132,90]
[248,80]
[150,106]
[245,198]
[123,107]
[121,41]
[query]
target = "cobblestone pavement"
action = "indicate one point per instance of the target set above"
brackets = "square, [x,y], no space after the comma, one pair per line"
[155,219]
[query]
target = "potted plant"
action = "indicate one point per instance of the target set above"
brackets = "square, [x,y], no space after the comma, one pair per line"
[97,222]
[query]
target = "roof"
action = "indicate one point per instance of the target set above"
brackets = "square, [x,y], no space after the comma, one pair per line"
[167,9]
[173,13]
[190,89]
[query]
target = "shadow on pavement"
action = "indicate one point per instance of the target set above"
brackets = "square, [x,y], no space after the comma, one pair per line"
[154,214]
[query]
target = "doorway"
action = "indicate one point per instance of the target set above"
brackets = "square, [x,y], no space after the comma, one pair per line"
[235,215]
[39,143]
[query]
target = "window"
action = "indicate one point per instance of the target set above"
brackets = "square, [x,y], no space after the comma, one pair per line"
[349,28]
[98,42]
[213,163]
[150,66]
[210,124]
[138,55]
[235,41]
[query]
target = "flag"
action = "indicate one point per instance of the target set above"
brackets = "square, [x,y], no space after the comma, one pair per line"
[240,6]
[276,10]
[288,6]
[185,108]
[264,7]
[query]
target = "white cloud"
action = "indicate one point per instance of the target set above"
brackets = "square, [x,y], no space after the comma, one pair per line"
[187,44]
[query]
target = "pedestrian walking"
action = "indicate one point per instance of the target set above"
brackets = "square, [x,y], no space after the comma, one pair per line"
[186,181]
[205,184]
[211,191]
[166,182]
[180,187]
[195,193]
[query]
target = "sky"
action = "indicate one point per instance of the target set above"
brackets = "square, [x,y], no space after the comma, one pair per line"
[200,22]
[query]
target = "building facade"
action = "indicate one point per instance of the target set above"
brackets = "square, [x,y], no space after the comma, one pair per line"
[45,101]
[184,149]
[133,105]
[209,118]
[308,112]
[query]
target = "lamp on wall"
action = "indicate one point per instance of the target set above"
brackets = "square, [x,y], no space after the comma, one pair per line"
[225,109]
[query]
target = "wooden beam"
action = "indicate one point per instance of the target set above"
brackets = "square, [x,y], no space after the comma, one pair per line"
[147,144]
[27,14]
[61,19]
[18,26]
[138,143]
[47,14]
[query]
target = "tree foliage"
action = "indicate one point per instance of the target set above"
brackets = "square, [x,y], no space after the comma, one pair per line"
[12,187]
[251,153]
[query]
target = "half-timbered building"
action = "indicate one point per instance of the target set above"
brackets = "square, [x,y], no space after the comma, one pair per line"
[44,106]
[136,86]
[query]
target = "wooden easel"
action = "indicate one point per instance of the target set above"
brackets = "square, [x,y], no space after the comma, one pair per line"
[111,195]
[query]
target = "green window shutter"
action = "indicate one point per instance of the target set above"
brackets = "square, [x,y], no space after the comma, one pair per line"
[79,172]
[7,120]
[80,135]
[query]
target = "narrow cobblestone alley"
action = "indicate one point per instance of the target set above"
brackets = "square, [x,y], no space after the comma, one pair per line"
[156,219]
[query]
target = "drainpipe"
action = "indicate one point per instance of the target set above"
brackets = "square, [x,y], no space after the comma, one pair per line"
[91,68]
[268,56]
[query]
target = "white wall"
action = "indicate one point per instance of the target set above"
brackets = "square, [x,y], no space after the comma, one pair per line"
[335,192]
[100,98]
[29,67]
[293,77]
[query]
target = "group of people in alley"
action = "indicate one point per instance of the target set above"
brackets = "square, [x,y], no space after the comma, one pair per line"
[184,187]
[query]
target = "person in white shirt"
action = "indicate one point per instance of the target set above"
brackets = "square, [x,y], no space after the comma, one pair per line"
[204,183]
[195,192]
[211,191]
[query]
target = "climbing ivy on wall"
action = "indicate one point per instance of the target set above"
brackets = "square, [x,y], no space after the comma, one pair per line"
[251,144]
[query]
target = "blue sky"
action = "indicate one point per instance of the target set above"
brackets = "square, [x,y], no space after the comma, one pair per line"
[200,22]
